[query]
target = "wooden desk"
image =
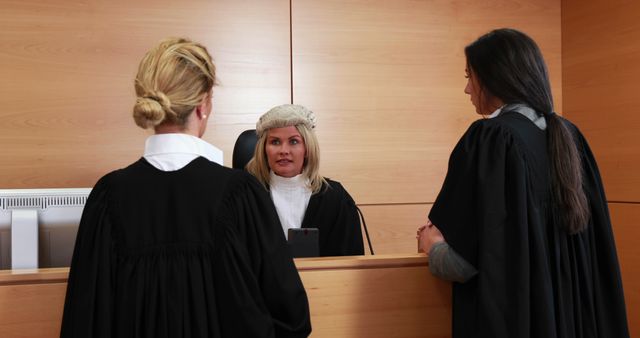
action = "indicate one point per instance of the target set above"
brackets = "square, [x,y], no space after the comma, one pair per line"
[363,296]
[31,302]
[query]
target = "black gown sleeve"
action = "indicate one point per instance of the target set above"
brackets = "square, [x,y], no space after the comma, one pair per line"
[334,213]
[482,212]
[88,303]
[259,229]
[445,263]
[457,209]
[347,231]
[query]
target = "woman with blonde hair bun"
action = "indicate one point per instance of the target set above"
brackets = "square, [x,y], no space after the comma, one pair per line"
[176,245]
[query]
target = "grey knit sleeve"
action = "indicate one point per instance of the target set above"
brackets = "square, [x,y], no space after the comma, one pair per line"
[447,264]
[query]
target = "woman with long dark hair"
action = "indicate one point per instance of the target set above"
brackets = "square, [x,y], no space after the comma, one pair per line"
[521,224]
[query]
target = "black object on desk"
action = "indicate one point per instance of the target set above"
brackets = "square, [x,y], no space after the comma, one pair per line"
[304,242]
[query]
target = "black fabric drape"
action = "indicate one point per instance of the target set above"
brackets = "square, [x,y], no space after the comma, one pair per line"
[197,252]
[334,213]
[534,280]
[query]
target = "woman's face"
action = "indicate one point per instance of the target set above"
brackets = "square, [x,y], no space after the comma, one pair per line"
[285,151]
[474,90]
[485,104]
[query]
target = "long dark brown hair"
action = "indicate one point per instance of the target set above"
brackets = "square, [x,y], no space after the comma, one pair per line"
[509,65]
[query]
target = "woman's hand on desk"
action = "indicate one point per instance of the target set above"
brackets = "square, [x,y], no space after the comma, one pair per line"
[427,236]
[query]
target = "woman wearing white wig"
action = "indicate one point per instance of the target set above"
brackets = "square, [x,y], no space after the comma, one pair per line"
[286,162]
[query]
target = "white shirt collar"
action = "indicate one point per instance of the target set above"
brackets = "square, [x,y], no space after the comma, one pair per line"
[496,112]
[525,110]
[169,152]
[288,182]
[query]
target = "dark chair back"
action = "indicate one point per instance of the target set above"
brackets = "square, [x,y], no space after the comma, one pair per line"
[244,148]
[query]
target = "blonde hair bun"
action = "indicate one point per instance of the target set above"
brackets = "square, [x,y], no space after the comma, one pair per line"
[173,79]
[149,112]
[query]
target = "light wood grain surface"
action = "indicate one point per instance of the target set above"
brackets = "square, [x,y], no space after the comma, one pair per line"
[67,70]
[386,80]
[398,299]
[601,49]
[625,218]
[392,228]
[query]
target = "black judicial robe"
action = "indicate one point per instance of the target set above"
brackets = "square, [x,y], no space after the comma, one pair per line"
[333,212]
[534,280]
[197,252]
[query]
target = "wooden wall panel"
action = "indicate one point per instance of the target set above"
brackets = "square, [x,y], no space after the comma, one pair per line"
[600,53]
[392,228]
[67,70]
[386,80]
[625,218]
